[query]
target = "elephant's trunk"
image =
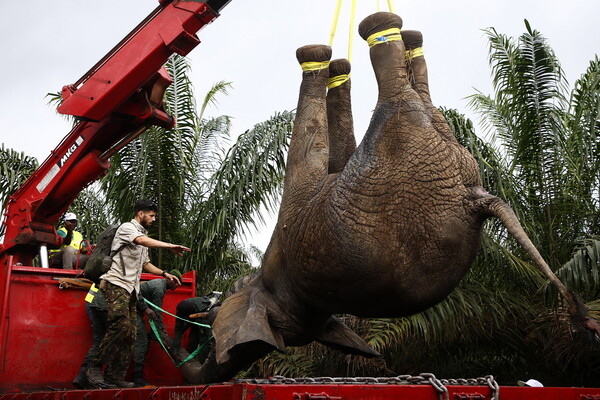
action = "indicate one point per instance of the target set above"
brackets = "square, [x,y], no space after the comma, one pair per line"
[210,371]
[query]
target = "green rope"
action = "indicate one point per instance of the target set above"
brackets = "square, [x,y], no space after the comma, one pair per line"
[157,335]
[194,353]
[173,315]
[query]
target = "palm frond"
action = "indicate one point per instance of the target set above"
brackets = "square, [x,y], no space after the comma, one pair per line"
[15,168]
[248,178]
[211,98]
[581,273]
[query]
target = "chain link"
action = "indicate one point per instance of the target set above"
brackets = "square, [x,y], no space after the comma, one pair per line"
[493,387]
[437,385]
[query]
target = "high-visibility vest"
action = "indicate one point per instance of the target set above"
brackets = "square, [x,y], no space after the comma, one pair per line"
[91,293]
[76,239]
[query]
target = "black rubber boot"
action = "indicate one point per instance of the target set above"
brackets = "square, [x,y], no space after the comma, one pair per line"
[81,381]
[95,376]
[121,383]
[138,378]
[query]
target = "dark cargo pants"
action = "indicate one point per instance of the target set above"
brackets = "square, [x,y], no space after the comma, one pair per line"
[98,320]
[118,343]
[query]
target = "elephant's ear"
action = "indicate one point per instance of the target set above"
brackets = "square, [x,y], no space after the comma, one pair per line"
[338,336]
[242,320]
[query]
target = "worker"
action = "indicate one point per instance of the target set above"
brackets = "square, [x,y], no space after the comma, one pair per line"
[96,310]
[120,287]
[188,310]
[73,250]
[154,291]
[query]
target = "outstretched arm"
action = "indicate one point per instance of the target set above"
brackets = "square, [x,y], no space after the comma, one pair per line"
[157,244]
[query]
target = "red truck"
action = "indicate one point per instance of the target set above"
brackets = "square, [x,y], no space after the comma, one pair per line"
[44,332]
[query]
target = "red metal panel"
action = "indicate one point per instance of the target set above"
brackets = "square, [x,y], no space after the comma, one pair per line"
[398,392]
[47,332]
[249,391]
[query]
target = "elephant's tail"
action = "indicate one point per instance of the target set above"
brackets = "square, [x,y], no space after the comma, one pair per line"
[488,205]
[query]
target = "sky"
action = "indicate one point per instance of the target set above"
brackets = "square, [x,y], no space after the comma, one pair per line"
[252,44]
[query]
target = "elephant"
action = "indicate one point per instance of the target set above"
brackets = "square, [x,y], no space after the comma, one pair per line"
[385,229]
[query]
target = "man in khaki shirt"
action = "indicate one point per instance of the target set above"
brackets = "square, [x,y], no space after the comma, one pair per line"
[120,287]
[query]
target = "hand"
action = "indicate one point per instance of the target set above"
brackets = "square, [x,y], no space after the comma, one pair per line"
[179,249]
[150,314]
[172,278]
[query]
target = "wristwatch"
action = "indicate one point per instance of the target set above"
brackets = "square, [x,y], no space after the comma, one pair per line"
[163,273]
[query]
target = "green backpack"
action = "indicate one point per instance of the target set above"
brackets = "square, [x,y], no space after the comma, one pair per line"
[101,258]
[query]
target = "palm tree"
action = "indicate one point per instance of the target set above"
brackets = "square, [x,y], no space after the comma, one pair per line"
[207,192]
[15,168]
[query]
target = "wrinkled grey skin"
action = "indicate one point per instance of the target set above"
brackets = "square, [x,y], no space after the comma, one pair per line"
[384,230]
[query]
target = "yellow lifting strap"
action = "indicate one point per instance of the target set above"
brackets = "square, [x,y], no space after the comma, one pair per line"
[410,54]
[388,35]
[390,6]
[314,65]
[336,81]
[336,17]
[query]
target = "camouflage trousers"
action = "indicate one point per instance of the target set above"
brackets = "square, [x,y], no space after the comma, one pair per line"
[117,346]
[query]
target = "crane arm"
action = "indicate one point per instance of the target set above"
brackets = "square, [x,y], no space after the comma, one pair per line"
[115,101]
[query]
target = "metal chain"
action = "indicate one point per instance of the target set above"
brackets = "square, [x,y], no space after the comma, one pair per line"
[493,387]
[422,379]
[437,385]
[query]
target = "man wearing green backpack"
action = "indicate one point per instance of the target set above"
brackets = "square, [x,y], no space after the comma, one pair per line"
[120,287]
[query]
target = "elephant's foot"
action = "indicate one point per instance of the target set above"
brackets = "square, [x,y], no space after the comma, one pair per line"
[382,33]
[380,28]
[339,72]
[413,43]
[314,57]
[415,63]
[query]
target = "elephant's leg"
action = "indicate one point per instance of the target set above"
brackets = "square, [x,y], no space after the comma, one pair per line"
[418,76]
[382,33]
[400,122]
[308,155]
[342,143]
